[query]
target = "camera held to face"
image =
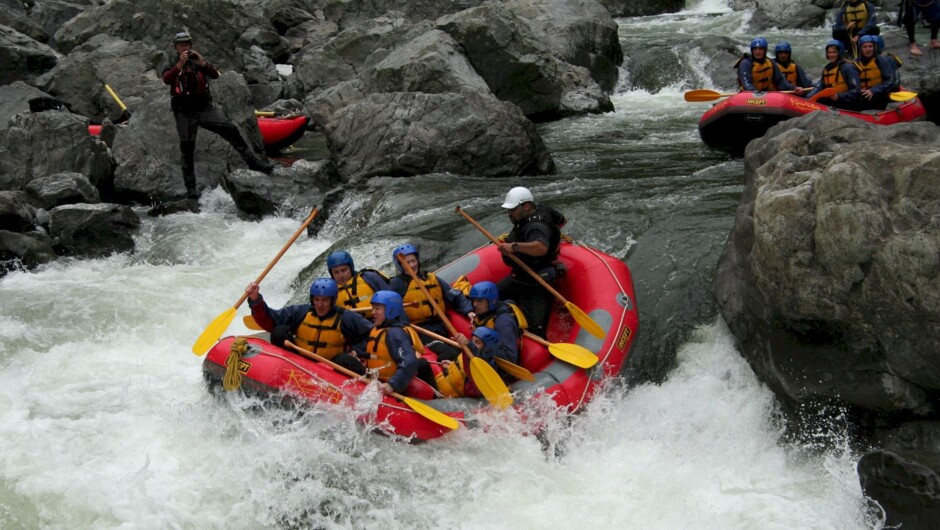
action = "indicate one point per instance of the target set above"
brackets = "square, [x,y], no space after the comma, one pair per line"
[193,56]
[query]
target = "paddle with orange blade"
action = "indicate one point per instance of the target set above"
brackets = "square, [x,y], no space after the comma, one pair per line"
[217,327]
[427,411]
[824,94]
[486,379]
[702,94]
[583,319]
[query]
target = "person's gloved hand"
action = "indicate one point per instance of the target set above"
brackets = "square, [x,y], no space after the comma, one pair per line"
[281,334]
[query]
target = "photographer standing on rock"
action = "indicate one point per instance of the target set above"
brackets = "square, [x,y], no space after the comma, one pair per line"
[192,107]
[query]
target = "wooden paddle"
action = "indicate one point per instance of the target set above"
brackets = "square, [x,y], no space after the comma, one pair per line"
[427,411]
[486,379]
[902,95]
[824,93]
[565,351]
[252,324]
[217,327]
[583,319]
[511,368]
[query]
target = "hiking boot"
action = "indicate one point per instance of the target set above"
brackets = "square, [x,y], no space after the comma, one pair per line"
[261,165]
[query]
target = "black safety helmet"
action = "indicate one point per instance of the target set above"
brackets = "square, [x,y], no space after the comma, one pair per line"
[182,36]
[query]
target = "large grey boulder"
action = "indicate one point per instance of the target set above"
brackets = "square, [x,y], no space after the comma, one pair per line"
[131,69]
[16,214]
[40,144]
[579,32]
[406,133]
[23,251]
[23,57]
[14,99]
[908,492]
[801,14]
[93,230]
[13,15]
[520,68]
[830,279]
[147,149]
[62,188]
[286,191]
[222,30]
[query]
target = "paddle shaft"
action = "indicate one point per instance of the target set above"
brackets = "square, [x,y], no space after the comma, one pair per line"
[437,309]
[512,368]
[515,259]
[277,258]
[116,98]
[429,413]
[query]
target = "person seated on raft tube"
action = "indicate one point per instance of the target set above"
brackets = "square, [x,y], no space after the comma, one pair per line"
[908,13]
[321,327]
[877,75]
[392,344]
[792,72]
[355,287]
[841,75]
[451,376]
[419,309]
[757,73]
[505,318]
[880,50]
[855,19]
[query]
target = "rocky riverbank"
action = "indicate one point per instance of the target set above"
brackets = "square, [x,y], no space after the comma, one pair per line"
[831,280]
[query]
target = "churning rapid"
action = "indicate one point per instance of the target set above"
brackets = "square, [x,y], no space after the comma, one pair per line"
[105,420]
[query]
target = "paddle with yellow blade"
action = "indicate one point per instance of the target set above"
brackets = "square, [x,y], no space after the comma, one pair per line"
[511,368]
[583,319]
[486,379]
[902,95]
[217,327]
[565,351]
[427,411]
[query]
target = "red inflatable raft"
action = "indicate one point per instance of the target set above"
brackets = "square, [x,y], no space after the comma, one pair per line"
[598,284]
[732,123]
[276,132]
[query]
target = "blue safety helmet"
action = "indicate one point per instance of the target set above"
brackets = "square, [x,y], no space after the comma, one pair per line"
[405,250]
[880,43]
[340,257]
[489,337]
[838,44]
[867,38]
[392,302]
[323,287]
[487,291]
[759,42]
[783,46]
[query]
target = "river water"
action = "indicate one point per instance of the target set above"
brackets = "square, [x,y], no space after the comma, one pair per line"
[105,421]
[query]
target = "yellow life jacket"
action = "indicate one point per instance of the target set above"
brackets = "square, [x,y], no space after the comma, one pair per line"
[322,336]
[490,319]
[422,310]
[379,357]
[832,78]
[789,73]
[762,75]
[355,293]
[450,381]
[869,73]
[858,14]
